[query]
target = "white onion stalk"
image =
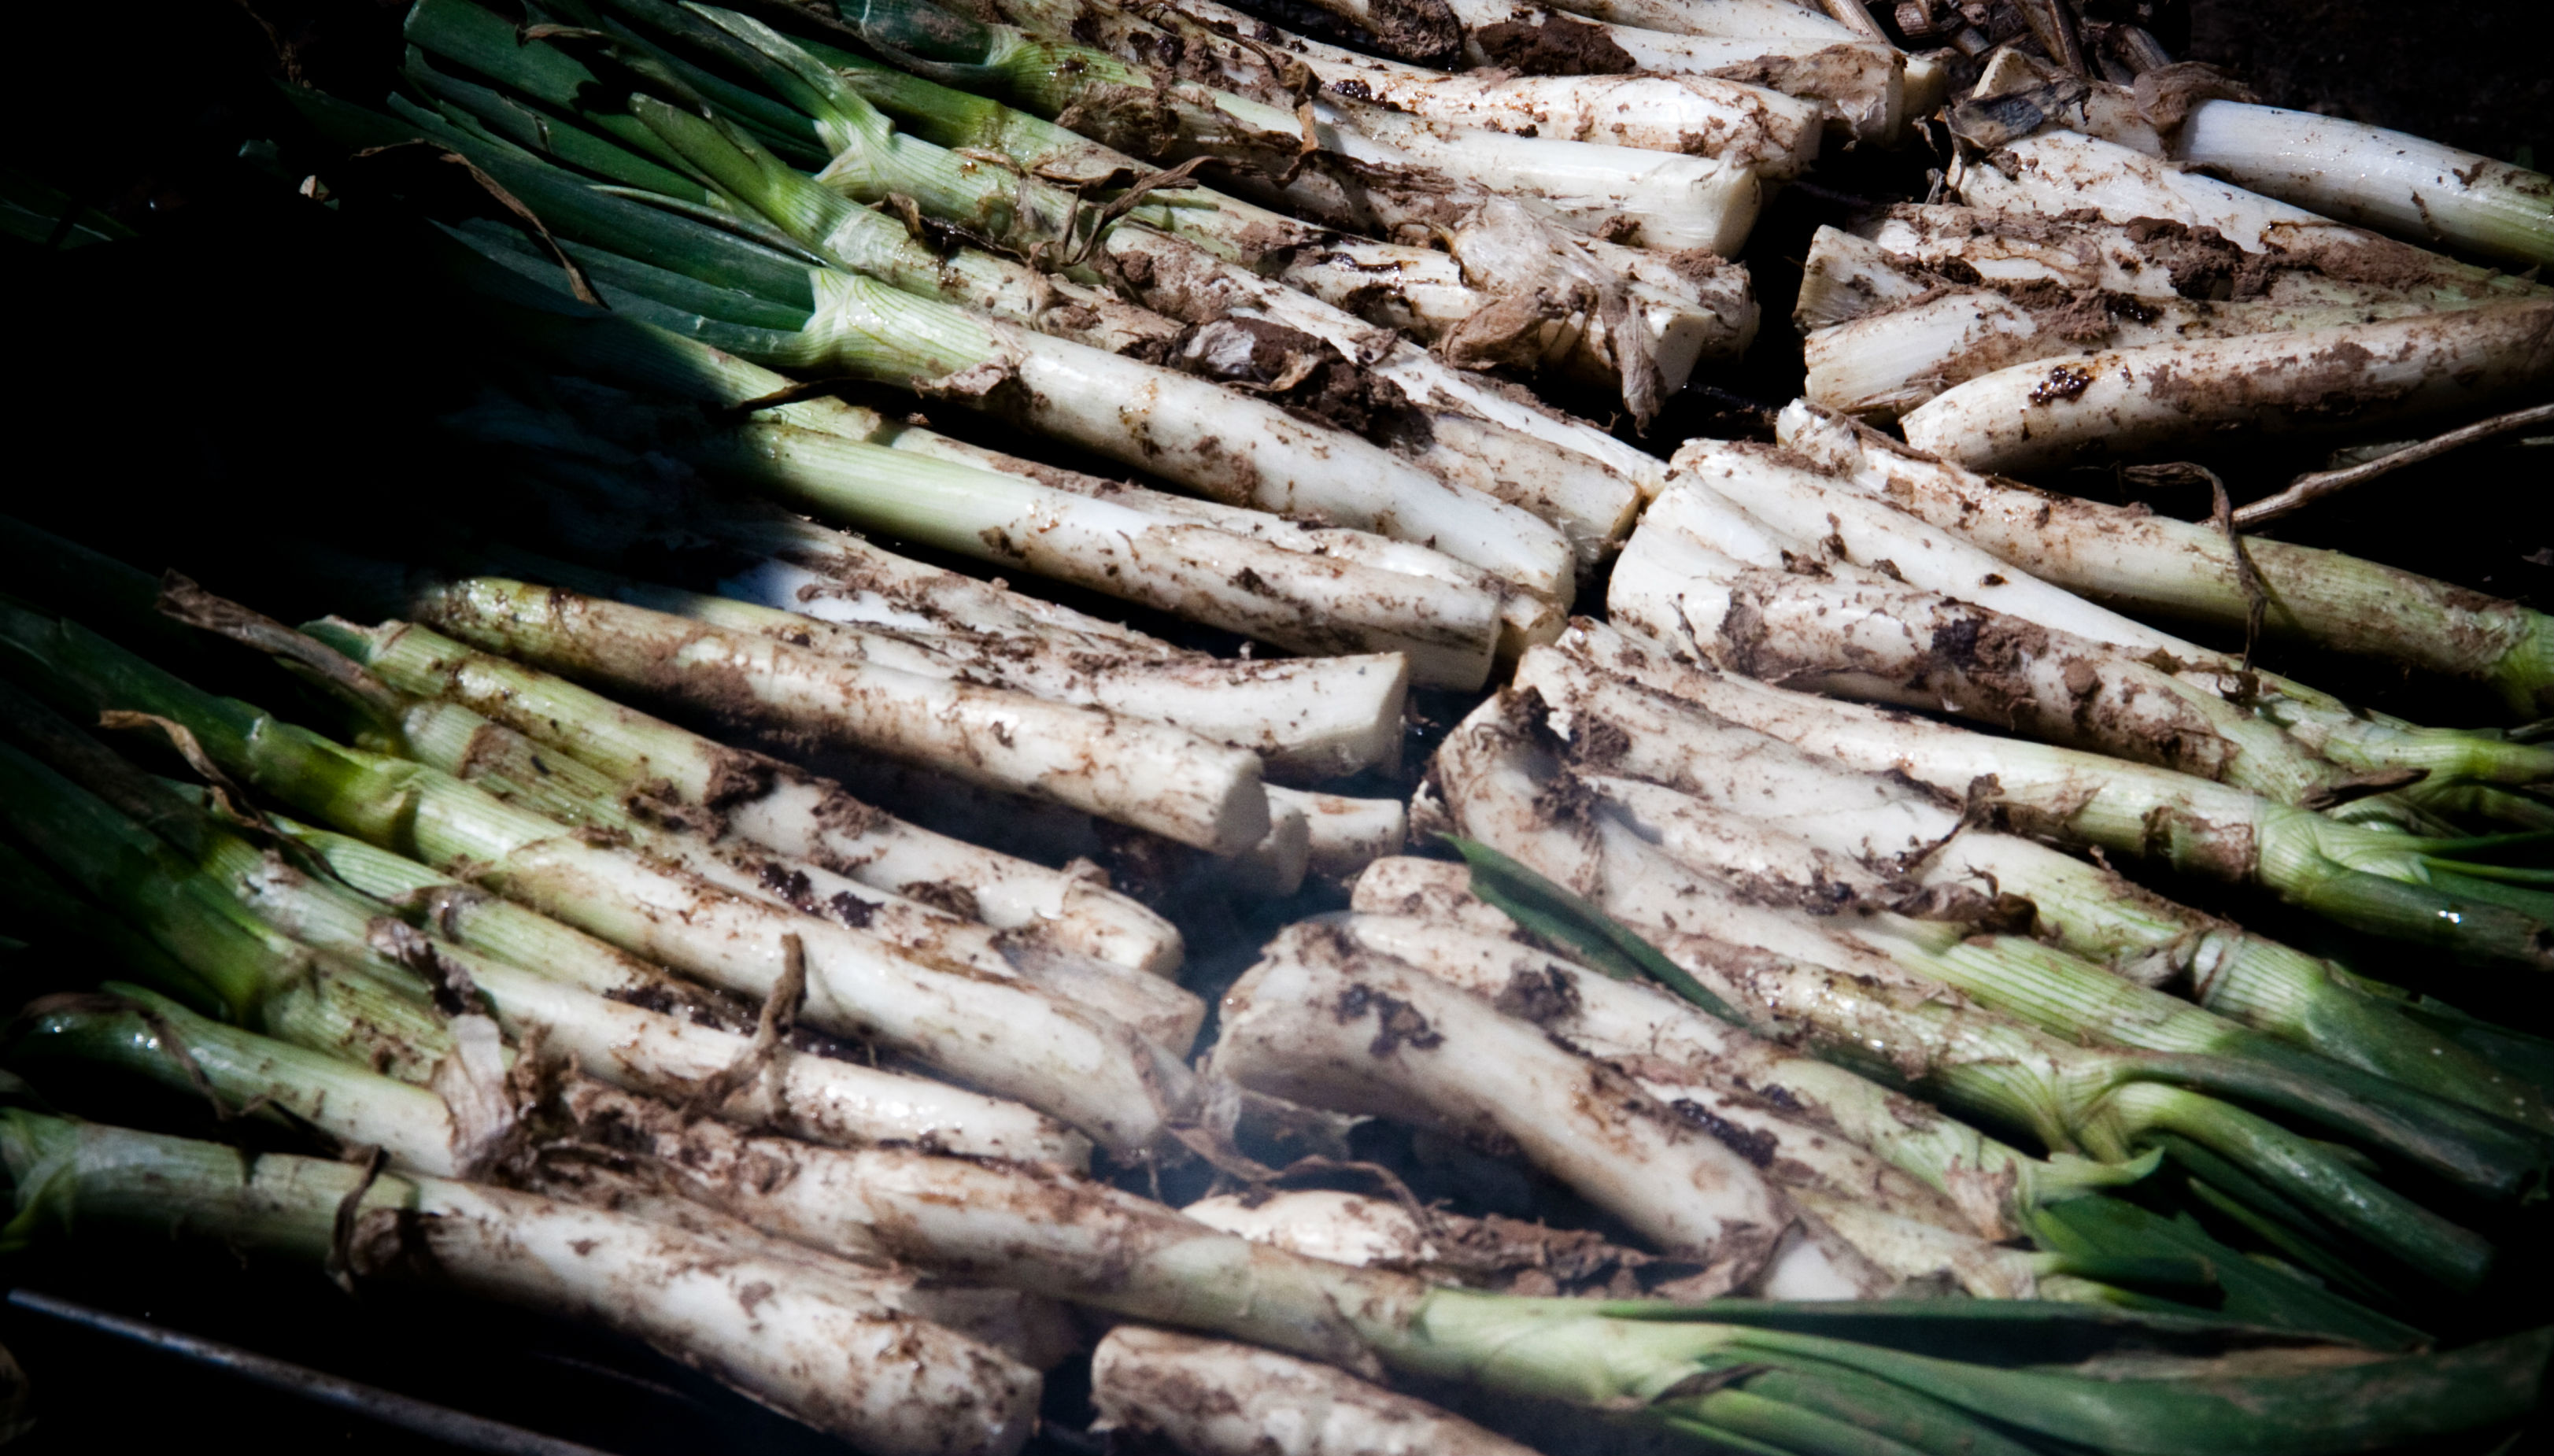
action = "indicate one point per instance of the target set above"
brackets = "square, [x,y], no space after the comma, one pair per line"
[1506,1255]
[1145,1382]
[1882,365]
[1319,1021]
[847,577]
[2371,878]
[2056,172]
[826,1351]
[1175,425]
[2406,186]
[2156,564]
[1925,82]
[1697,115]
[1861,83]
[449,910]
[1343,835]
[653,1053]
[1086,1068]
[765,803]
[1149,868]
[1755,505]
[804,575]
[2127,401]
[1510,1256]
[1147,774]
[797,1094]
[2304,264]
[1525,619]
[1035,1331]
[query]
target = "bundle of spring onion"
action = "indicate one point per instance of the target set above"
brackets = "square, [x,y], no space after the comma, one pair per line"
[2439,890]
[1609,312]
[2206,120]
[2014,333]
[1964,1005]
[1789,573]
[1192,272]
[1216,440]
[398,1016]
[1363,161]
[523,1222]
[645,898]
[1915,1189]
[1728,122]
[2144,562]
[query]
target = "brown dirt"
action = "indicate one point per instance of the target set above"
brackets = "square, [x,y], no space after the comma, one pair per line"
[1397,1023]
[1756,1145]
[2077,317]
[1560,47]
[1541,996]
[1298,370]
[1423,31]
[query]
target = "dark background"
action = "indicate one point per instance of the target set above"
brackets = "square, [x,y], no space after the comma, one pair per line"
[243,370]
